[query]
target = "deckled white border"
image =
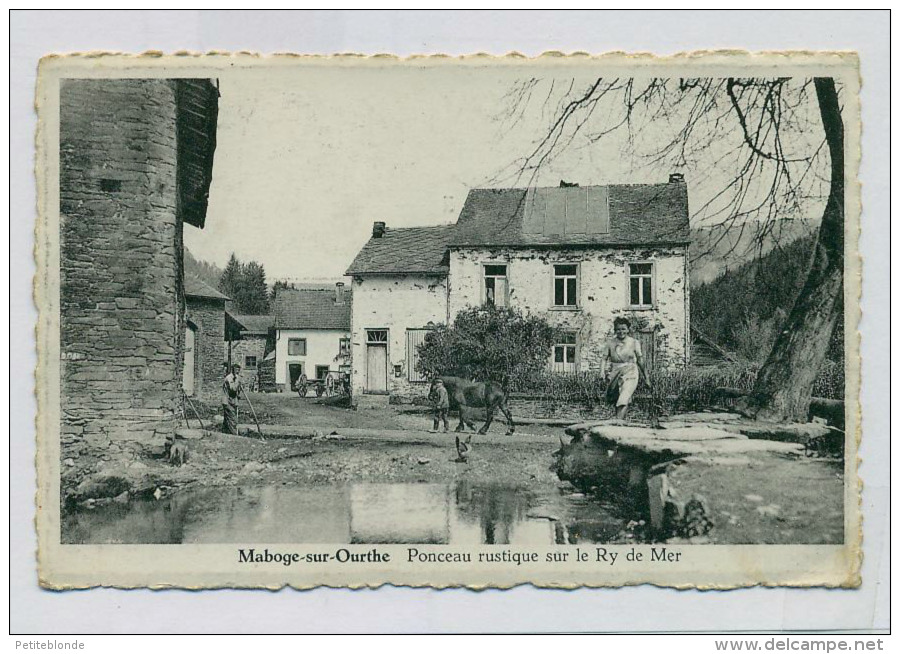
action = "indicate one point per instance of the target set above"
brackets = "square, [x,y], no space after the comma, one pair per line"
[640,606]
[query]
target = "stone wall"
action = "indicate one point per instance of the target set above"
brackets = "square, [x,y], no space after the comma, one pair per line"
[254,346]
[120,263]
[210,348]
[395,303]
[603,294]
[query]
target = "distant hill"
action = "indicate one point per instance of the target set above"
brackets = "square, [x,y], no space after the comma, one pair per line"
[754,296]
[714,250]
[208,272]
[744,309]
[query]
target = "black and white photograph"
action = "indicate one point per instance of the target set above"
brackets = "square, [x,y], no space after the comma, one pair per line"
[572,322]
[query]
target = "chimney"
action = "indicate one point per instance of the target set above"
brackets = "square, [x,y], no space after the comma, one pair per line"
[676,178]
[339,293]
[378,229]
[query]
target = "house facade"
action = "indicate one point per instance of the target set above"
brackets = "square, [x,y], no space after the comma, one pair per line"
[579,256]
[135,165]
[312,333]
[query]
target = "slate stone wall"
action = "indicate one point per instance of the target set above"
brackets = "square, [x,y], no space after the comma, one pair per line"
[210,348]
[120,264]
[254,346]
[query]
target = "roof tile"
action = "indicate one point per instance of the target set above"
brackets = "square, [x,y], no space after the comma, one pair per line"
[311,309]
[639,214]
[405,250]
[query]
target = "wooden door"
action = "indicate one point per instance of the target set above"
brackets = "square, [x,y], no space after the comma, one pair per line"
[647,340]
[376,368]
[187,373]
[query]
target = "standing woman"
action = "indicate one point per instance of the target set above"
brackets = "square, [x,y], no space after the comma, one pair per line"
[626,366]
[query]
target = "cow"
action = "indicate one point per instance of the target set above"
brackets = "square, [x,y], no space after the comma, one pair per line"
[465,395]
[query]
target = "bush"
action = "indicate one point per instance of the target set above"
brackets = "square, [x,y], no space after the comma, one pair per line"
[691,389]
[488,344]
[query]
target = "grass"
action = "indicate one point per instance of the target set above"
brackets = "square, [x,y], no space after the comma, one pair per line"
[690,389]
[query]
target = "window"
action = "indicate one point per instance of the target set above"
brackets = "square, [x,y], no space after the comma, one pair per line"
[565,285]
[321,372]
[344,347]
[376,336]
[297,347]
[564,353]
[640,284]
[414,338]
[249,363]
[495,286]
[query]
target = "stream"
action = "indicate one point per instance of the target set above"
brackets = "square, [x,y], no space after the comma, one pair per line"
[457,513]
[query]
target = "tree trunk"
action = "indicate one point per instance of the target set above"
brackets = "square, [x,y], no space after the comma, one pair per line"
[784,385]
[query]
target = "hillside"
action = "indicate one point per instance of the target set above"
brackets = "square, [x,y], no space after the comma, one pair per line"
[713,250]
[208,272]
[744,308]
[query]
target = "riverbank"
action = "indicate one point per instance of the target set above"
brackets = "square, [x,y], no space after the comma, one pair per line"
[306,442]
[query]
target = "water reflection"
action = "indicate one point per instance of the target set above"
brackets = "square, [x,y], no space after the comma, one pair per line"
[457,514]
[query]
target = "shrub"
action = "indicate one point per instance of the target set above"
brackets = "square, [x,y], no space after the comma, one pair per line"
[488,344]
[690,389]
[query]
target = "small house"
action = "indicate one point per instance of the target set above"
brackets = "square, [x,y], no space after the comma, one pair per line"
[312,333]
[399,290]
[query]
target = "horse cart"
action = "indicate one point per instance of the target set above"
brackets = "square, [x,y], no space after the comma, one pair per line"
[332,384]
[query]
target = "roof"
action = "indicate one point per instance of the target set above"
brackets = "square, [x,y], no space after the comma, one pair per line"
[196,287]
[405,250]
[255,325]
[311,309]
[639,214]
[197,117]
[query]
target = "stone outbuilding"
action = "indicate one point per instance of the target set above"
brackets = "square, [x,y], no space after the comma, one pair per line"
[250,340]
[312,333]
[579,256]
[205,350]
[136,159]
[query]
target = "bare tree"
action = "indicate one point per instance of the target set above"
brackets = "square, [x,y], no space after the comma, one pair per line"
[776,147]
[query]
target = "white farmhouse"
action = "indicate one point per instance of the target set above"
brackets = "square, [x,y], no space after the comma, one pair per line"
[399,292]
[312,333]
[580,256]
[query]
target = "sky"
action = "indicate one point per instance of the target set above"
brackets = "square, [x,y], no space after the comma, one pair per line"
[308,158]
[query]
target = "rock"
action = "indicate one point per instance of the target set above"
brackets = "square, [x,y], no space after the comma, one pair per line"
[423,461]
[97,440]
[190,434]
[137,465]
[102,484]
[122,498]
[157,494]
[769,511]
[253,466]
[69,462]
[753,498]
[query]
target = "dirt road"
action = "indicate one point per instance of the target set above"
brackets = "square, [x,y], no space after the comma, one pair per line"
[379,445]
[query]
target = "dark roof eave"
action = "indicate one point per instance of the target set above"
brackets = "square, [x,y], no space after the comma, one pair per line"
[307,328]
[376,273]
[523,246]
[201,296]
